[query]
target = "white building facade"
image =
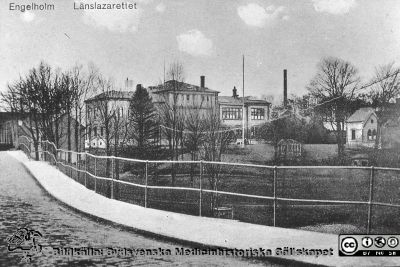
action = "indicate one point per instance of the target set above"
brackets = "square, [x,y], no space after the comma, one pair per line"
[361,128]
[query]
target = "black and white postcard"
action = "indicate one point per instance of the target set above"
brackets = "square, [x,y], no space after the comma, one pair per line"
[199,133]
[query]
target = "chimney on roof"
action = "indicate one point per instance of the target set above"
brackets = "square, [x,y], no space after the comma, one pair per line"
[234,90]
[285,88]
[128,84]
[202,81]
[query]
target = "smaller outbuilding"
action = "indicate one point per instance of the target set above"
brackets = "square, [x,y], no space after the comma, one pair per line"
[360,160]
[361,128]
[289,149]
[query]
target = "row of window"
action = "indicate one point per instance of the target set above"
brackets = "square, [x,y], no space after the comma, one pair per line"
[188,97]
[371,134]
[95,131]
[93,112]
[236,113]
[257,114]
[231,113]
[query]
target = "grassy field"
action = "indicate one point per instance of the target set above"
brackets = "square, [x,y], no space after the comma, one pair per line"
[316,184]
[264,153]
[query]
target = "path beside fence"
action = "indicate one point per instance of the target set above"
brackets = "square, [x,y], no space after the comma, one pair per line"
[364,197]
[199,230]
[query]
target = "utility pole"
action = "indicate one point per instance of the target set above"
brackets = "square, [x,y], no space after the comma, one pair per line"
[243,113]
[164,75]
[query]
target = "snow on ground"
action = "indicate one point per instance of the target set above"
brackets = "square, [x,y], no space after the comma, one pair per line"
[202,230]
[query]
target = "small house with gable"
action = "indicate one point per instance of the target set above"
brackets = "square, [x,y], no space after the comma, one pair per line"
[361,128]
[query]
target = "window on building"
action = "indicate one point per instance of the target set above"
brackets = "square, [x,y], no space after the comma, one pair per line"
[374,134]
[208,99]
[94,113]
[372,121]
[353,134]
[95,131]
[231,113]
[187,97]
[369,134]
[257,113]
[253,132]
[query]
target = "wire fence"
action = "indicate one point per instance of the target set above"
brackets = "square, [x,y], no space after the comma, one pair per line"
[366,198]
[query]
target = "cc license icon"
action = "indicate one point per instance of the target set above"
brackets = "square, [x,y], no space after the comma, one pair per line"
[349,245]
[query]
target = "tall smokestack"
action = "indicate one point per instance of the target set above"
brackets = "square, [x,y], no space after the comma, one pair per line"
[285,88]
[202,81]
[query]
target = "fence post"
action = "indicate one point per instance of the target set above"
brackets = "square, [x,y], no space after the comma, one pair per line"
[275,174]
[112,177]
[145,189]
[86,157]
[70,164]
[201,187]
[30,149]
[78,159]
[371,188]
[40,149]
[95,174]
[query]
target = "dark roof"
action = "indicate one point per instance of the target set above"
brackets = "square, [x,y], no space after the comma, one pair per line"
[112,95]
[361,115]
[172,85]
[230,100]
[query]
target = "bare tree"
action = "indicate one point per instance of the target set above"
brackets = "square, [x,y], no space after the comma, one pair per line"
[108,116]
[37,97]
[335,84]
[82,87]
[103,112]
[382,93]
[171,115]
[177,75]
[15,99]
[194,135]
[217,138]
[120,133]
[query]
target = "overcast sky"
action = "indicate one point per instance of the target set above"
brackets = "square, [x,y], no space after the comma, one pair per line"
[207,36]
